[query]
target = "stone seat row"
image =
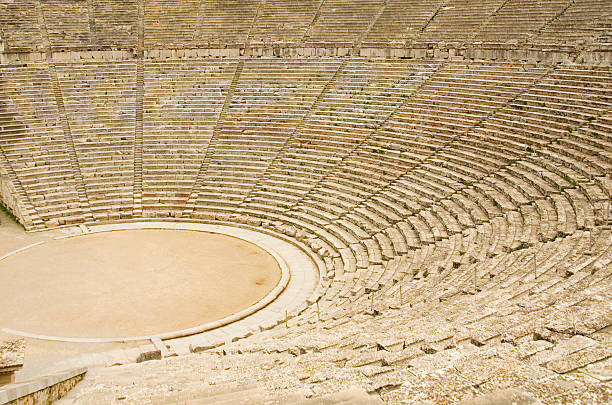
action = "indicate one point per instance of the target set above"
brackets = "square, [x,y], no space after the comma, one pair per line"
[527,258]
[176,24]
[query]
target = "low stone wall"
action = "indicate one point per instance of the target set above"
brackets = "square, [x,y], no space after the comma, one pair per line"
[44,390]
[487,52]
[8,196]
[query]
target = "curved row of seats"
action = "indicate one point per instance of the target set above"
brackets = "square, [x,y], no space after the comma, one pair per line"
[192,24]
[320,142]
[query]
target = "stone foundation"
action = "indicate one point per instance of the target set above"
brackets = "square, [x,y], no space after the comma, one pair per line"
[44,390]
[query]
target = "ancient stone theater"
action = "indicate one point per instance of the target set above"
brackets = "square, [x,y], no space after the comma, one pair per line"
[305,202]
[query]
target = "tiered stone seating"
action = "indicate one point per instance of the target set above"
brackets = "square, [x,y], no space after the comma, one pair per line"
[460,209]
[587,152]
[284,22]
[181,105]
[351,184]
[359,209]
[317,214]
[342,21]
[355,103]
[269,102]
[457,205]
[518,19]
[458,20]
[583,21]
[115,23]
[67,23]
[404,133]
[112,24]
[401,21]
[469,345]
[19,25]
[100,103]
[196,23]
[171,23]
[34,145]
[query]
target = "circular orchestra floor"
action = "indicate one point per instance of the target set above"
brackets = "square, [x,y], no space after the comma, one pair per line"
[131,282]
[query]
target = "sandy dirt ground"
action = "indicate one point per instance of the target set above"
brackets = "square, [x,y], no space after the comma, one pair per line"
[124,283]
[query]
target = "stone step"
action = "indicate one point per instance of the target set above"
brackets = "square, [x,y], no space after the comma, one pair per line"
[219,395]
[503,397]
[353,397]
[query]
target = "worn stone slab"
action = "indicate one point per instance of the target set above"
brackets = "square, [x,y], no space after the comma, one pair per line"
[503,397]
[12,353]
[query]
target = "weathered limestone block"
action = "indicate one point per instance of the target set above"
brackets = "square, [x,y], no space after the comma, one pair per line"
[12,353]
[148,356]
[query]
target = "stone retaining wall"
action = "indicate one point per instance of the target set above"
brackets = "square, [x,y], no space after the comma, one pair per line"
[545,56]
[8,196]
[44,390]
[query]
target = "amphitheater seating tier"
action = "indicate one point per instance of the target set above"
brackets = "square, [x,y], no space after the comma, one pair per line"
[268,102]
[458,20]
[281,21]
[100,103]
[475,343]
[402,21]
[342,21]
[34,144]
[181,104]
[579,23]
[452,124]
[517,20]
[196,23]
[113,24]
[20,25]
[67,23]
